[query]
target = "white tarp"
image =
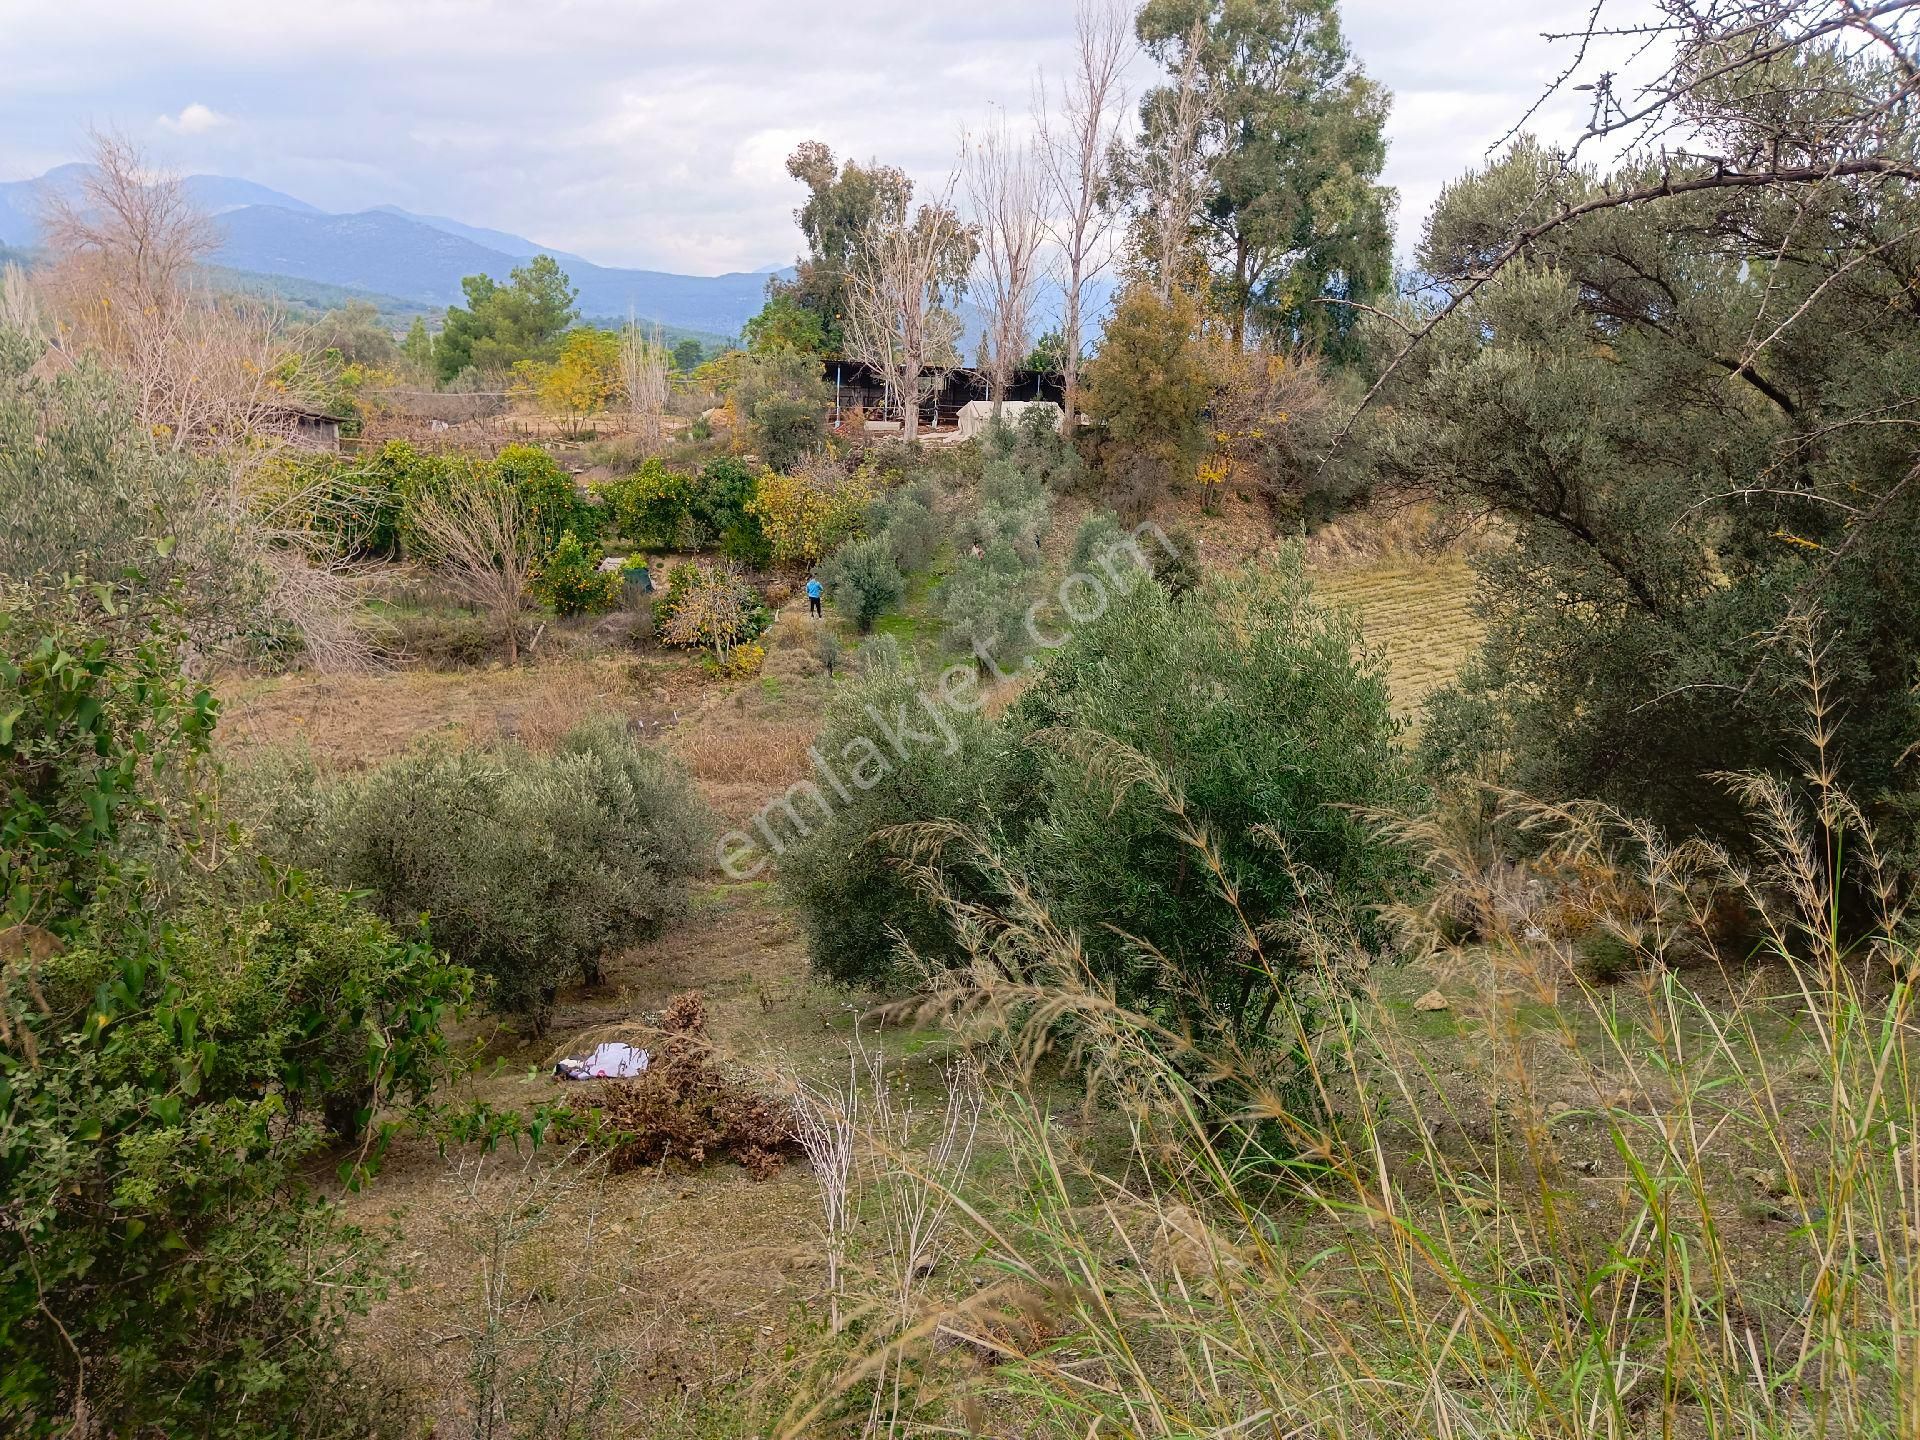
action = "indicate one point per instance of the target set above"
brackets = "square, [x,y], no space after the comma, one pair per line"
[615,1060]
[977,415]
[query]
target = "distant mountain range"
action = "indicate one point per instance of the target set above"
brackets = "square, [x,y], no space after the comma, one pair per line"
[405,263]
[408,264]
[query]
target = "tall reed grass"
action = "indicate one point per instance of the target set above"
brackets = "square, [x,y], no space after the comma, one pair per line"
[1685,1203]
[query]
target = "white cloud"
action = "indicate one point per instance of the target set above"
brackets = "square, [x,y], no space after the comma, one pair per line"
[194,119]
[652,132]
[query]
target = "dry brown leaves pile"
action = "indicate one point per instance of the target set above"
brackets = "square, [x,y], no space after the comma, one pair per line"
[689,1105]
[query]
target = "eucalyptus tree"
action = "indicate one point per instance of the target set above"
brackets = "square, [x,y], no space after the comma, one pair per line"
[1291,142]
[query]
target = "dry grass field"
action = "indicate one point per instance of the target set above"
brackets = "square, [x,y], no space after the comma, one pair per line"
[1417,611]
[670,1287]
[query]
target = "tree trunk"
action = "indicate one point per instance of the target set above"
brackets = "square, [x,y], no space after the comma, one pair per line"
[1238,325]
[1070,360]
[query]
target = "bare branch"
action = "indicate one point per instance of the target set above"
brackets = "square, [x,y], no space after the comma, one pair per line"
[1073,153]
[476,534]
[1003,189]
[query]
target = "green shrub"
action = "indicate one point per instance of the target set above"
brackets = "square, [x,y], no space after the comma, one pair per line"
[528,868]
[915,530]
[1266,718]
[1104,548]
[1149,388]
[844,879]
[862,579]
[362,503]
[158,1218]
[665,509]
[653,507]
[1180,570]
[1038,449]
[985,602]
[97,721]
[571,581]
[804,515]
[783,399]
[1242,699]
[727,488]
[1100,535]
[827,649]
[1013,507]
[1603,956]
[85,490]
[176,1041]
[554,505]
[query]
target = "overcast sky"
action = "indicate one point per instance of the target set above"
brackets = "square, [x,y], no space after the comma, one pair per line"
[637,132]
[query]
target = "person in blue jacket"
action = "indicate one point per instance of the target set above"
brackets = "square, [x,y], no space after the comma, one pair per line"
[813,596]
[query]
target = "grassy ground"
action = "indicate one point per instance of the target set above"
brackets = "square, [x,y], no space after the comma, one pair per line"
[1417,612]
[671,1287]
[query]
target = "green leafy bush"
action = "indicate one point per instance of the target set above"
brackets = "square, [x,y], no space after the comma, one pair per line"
[361,503]
[1149,388]
[862,579]
[96,721]
[1013,506]
[176,1041]
[914,528]
[84,490]
[804,515]
[653,506]
[571,581]
[158,1221]
[1036,448]
[985,602]
[553,504]
[1263,715]
[783,399]
[842,875]
[1099,536]
[529,868]
[1239,709]
[666,509]
[722,506]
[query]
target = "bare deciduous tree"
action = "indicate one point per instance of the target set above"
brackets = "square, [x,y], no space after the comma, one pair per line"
[644,363]
[129,237]
[208,371]
[205,370]
[898,321]
[1003,189]
[477,535]
[1074,145]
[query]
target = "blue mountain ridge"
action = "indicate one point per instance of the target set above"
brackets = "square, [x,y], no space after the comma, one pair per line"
[421,259]
[388,252]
